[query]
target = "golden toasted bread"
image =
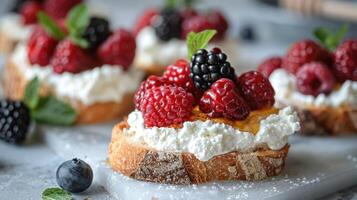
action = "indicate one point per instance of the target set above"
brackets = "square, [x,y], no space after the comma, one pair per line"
[14,83]
[7,43]
[143,163]
[328,120]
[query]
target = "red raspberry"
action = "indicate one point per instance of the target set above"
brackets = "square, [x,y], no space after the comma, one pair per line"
[257,90]
[188,13]
[223,100]
[29,12]
[145,20]
[219,22]
[70,58]
[166,105]
[345,59]
[41,47]
[150,82]
[179,74]
[303,52]
[269,65]
[59,8]
[118,49]
[315,78]
[196,24]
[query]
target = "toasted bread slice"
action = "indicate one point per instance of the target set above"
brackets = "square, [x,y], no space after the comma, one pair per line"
[143,163]
[7,43]
[14,83]
[328,120]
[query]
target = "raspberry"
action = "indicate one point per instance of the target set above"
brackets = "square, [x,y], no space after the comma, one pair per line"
[179,75]
[345,60]
[97,31]
[118,49]
[14,121]
[196,24]
[145,20]
[59,9]
[256,89]
[151,82]
[70,58]
[29,12]
[41,47]
[223,100]
[303,52]
[269,65]
[166,105]
[219,23]
[315,78]
[208,67]
[188,13]
[168,24]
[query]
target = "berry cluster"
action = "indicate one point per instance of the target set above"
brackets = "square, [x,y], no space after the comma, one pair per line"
[177,23]
[58,9]
[170,99]
[316,69]
[65,55]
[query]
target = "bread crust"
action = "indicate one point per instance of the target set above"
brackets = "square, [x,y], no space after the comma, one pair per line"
[7,43]
[14,83]
[328,121]
[147,164]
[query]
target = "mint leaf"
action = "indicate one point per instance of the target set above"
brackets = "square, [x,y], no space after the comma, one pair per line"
[50,26]
[189,3]
[196,41]
[328,39]
[54,112]
[77,21]
[170,3]
[31,95]
[81,42]
[56,194]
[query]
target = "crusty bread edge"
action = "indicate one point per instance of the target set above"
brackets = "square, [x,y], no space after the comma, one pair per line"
[328,121]
[146,164]
[14,83]
[7,43]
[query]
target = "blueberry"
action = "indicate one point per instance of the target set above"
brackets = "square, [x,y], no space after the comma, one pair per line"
[74,175]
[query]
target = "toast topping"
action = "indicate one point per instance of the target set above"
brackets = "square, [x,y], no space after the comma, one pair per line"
[312,73]
[211,80]
[211,137]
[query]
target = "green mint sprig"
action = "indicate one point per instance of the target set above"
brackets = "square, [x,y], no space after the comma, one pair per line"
[196,41]
[48,109]
[77,21]
[171,4]
[56,194]
[329,39]
[50,26]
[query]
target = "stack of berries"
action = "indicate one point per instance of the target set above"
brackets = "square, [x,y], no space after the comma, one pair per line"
[207,82]
[171,22]
[317,68]
[80,43]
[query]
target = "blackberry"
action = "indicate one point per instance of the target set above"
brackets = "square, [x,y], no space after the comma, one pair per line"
[167,25]
[96,32]
[208,67]
[14,121]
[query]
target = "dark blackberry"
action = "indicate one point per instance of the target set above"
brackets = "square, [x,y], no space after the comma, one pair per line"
[208,67]
[16,6]
[96,32]
[167,25]
[14,121]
